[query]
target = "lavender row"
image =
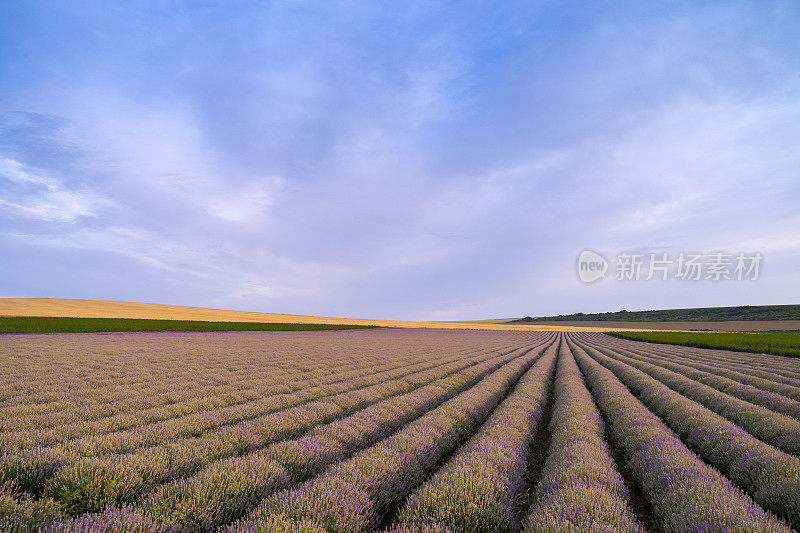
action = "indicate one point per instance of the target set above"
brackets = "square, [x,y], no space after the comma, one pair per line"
[771,476]
[783,386]
[685,493]
[769,362]
[32,468]
[349,352]
[28,434]
[88,484]
[70,414]
[132,520]
[20,513]
[479,488]
[269,370]
[227,489]
[122,520]
[228,389]
[85,367]
[580,488]
[780,431]
[352,496]
[230,417]
[745,365]
[204,413]
[261,379]
[113,366]
[759,396]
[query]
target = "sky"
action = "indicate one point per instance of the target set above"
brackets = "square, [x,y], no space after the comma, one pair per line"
[410,160]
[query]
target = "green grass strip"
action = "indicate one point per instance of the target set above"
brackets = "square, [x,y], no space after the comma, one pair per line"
[47,324]
[785,344]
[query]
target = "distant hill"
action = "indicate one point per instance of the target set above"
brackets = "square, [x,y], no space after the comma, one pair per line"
[699,314]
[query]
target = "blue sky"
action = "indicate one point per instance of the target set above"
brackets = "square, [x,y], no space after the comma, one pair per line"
[429,160]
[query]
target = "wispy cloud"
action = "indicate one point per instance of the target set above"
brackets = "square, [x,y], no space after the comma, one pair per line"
[29,194]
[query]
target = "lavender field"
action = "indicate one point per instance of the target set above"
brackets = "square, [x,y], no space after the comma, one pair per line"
[395,430]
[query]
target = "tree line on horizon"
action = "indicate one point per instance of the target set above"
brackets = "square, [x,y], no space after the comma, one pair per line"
[700,314]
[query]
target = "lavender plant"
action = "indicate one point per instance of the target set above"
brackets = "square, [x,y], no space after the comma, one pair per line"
[478,489]
[353,495]
[580,488]
[771,476]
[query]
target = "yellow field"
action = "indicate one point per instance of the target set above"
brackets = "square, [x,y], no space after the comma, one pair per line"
[115,309]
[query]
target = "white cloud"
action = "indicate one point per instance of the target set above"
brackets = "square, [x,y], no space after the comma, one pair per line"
[41,197]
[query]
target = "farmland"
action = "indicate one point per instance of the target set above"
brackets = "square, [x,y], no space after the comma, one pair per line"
[786,344]
[394,430]
[37,308]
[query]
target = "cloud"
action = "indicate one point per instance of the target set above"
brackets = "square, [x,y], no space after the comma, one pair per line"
[30,194]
